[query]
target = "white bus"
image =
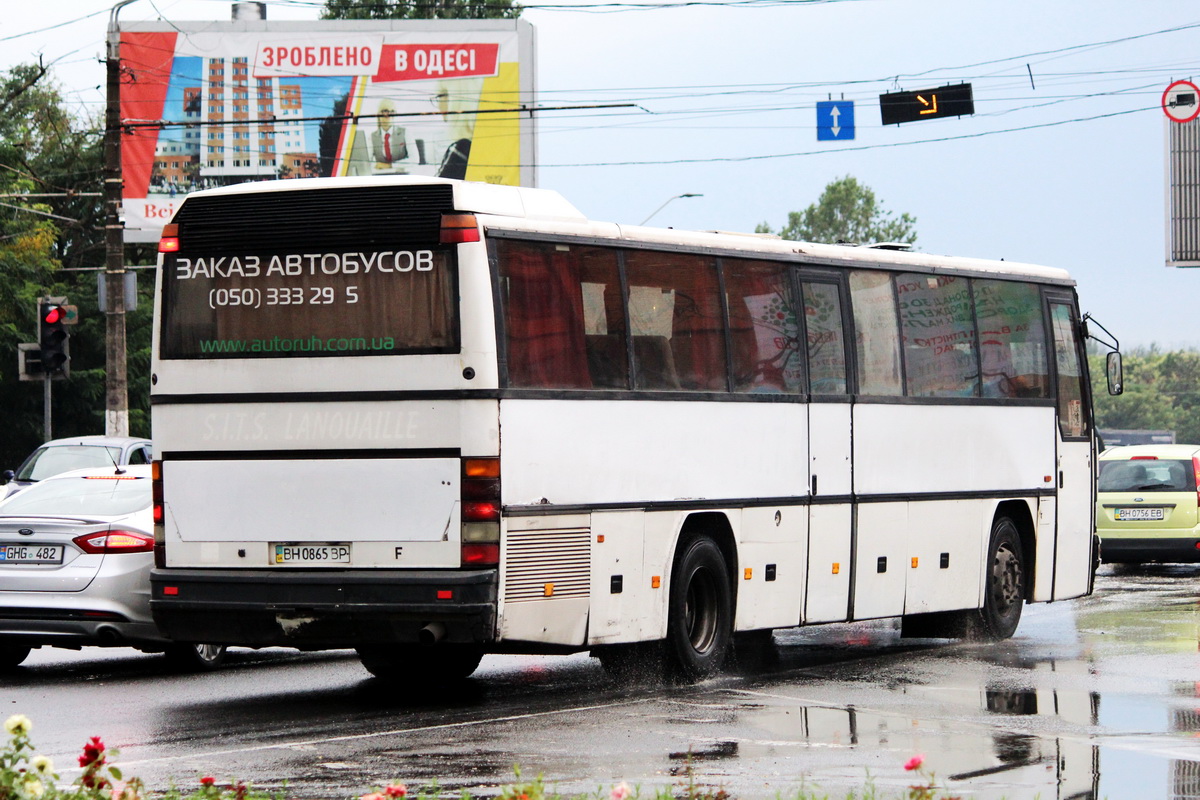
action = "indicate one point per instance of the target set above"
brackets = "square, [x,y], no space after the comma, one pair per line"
[430,419]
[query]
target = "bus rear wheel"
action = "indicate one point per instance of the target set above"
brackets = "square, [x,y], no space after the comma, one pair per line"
[442,663]
[700,612]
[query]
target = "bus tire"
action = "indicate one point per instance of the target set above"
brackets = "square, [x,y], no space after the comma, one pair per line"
[1004,583]
[442,663]
[699,612]
[11,655]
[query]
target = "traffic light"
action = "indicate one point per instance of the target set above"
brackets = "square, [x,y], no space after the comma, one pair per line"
[956,100]
[53,339]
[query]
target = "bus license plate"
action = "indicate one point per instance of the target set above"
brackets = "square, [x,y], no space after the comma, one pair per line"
[312,553]
[1130,514]
[31,553]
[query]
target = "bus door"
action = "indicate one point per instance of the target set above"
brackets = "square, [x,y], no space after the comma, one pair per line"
[827,590]
[1075,504]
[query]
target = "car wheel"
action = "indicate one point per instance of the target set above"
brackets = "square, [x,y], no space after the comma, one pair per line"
[700,612]
[187,657]
[12,654]
[441,663]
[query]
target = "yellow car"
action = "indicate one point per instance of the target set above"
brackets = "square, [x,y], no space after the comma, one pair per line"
[1146,507]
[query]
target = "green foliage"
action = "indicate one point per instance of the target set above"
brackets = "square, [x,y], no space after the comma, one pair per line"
[43,242]
[847,211]
[420,9]
[1162,392]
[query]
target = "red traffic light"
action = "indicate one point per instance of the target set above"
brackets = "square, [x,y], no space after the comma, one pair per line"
[54,314]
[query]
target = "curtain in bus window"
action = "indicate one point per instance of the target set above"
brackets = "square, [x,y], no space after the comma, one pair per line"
[546,307]
[826,338]
[676,321]
[876,334]
[938,330]
[1012,339]
[764,327]
[1071,419]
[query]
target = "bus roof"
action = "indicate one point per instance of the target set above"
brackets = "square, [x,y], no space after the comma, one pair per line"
[544,211]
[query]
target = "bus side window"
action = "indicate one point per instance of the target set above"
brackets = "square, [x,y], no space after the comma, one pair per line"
[677,322]
[1072,420]
[1012,339]
[938,324]
[826,338]
[561,331]
[764,326]
[876,334]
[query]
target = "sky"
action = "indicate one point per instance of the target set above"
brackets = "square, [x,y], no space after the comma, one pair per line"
[1062,163]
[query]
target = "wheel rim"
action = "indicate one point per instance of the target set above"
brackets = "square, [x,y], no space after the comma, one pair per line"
[699,611]
[1006,579]
[208,653]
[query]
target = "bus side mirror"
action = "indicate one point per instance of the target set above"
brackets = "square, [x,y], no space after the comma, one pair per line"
[1116,382]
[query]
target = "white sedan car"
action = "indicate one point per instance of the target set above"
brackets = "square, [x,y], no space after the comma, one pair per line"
[75,556]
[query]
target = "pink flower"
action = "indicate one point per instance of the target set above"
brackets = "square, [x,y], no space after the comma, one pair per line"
[396,790]
[914,763]
[207,780]
[620,792]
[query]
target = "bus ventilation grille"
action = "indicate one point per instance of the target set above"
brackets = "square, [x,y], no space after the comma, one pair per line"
[535,560]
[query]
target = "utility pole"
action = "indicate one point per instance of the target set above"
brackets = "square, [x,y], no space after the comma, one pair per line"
[116,408]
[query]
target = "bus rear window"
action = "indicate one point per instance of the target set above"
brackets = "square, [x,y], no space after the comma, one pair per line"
[334,272]
[260,305]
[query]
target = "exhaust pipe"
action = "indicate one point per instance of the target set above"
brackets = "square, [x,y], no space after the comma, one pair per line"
[432,633]
[110,637]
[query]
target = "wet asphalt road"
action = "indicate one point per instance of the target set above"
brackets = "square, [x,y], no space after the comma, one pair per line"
[1093,698]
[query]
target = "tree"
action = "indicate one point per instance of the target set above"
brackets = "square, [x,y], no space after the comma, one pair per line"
[847,212]
[420,9]
[45,151]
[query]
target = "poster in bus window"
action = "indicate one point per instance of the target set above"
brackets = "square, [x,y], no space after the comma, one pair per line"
[213,104]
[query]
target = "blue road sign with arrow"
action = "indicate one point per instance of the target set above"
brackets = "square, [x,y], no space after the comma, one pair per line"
[835,120]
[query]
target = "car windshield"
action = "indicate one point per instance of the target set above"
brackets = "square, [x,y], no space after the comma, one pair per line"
[46,462]
[90,496]
[1147,475]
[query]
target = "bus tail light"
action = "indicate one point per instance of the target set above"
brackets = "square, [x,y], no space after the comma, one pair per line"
[480,512]
[156,497]
[169,241]
[459,228]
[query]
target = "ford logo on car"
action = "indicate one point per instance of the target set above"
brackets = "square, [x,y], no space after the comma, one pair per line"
[25,531]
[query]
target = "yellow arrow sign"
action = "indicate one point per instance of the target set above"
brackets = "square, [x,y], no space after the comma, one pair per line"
[930,104]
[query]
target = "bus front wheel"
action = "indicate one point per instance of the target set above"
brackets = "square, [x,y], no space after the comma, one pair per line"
[1004,590]
[1004,595]
[700,611]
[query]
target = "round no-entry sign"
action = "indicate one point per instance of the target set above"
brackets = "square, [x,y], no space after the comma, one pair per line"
[1181,101]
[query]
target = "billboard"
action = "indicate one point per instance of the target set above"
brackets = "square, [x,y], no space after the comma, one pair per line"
[207,104]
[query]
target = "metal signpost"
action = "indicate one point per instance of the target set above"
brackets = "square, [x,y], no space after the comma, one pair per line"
[1181,104]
